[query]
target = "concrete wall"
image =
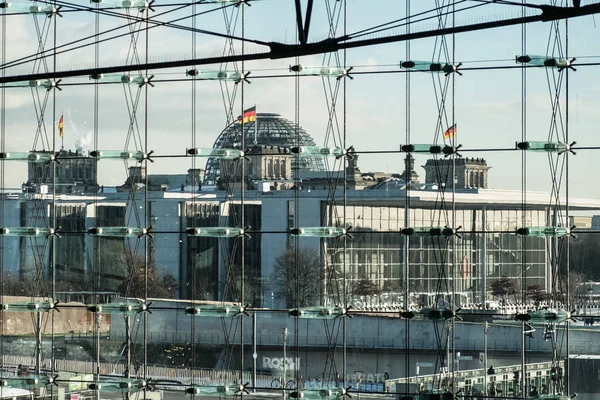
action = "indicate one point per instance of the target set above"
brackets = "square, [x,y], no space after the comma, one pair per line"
[376,333]
[371,366]
[73,317]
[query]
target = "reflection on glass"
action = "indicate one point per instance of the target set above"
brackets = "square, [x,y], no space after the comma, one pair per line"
[39,306]
[319,71]
[214,390]
[545,316]
[26,231]
[118,308]
[544,231]
[319,312]
[215,153]
[428,231]
[121,3]
[550,147]
[215,231]
[429,66]
[309,151]
[319,231]
[543,61]
[208,310]
[28,156]
[219,1]
[429,314]
[121,78]
[421,148]
[317,394]
[118,154]
[129,384]
[28,8]
[422,66]
[117,231]
[45,83]
[214,75]
[27,383]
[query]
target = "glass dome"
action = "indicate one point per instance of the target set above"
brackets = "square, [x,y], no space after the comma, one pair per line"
[272,130]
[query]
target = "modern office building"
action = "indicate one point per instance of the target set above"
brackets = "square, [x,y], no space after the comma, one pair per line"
[279,259]
[484,245]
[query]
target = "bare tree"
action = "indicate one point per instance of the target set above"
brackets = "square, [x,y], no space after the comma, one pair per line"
[503,287]
[537,293]
[163,286]
[116,268]
[13,286]
[298,276]
[366,287]
[576,288]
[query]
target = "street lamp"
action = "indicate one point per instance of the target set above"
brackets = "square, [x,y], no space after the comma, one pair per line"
[284,332]
[485,357]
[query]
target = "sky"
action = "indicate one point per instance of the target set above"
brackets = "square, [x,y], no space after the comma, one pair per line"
[486,104]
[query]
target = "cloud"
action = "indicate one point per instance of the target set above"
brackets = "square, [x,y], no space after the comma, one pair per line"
[17,98]
[497,106]
[487,106]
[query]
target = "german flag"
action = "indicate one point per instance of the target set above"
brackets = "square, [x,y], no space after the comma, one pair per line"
[61,126]
[450,132]
[249,116]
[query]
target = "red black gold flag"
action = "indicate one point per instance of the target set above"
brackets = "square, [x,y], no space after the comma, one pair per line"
[450,132]
[249,116]
[61,125]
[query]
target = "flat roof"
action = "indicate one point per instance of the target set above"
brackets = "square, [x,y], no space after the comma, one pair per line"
[429,198]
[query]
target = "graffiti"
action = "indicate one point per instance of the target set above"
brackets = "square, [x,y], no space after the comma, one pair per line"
[367,378]
[291,364]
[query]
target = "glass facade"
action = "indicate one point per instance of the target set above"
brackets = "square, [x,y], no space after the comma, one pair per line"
[267,129]
[377,252]
[348,239]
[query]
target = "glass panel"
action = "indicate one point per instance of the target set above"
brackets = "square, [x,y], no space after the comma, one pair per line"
[319,71]
[215,75]
[140,4]
[29,8]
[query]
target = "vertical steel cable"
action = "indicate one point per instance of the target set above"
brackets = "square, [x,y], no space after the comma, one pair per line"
[524,243]
[242,205]
[96,240]
[192,241]
[147,238]
[296,239]
[406,257]
[52,314]
[345,238]
[567,256]
[297,222]
[2,168]
[452,259]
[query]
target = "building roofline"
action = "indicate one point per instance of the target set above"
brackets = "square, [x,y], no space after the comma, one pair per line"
[464,198]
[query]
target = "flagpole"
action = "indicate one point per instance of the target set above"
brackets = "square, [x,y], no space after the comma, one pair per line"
[62,132]
[255,126]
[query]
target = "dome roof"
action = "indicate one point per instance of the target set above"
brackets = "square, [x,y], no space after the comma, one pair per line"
[269,130]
